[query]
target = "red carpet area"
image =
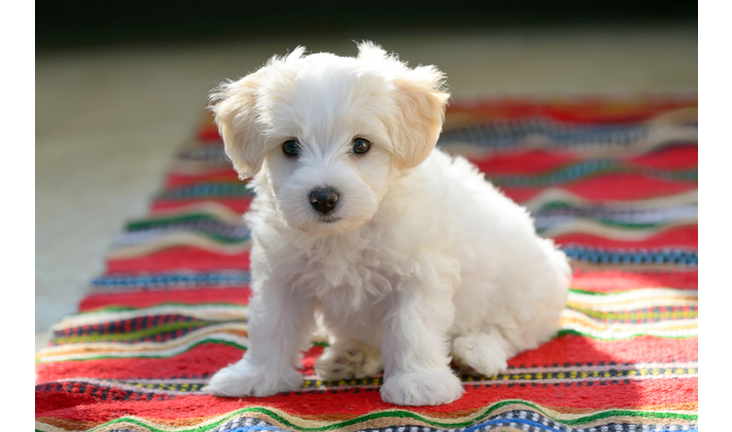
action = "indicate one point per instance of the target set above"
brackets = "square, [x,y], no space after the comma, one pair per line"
[613,181]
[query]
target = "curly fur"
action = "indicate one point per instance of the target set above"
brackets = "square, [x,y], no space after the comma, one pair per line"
[422,262]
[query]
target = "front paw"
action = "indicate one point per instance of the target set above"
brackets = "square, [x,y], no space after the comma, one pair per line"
[243,379]
[429,387]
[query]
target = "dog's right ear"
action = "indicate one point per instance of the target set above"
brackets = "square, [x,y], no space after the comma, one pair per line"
[234,106]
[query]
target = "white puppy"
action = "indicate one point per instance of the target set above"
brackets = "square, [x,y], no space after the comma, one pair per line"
[410,256]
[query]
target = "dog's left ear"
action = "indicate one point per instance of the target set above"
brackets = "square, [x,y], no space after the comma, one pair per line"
[420,102]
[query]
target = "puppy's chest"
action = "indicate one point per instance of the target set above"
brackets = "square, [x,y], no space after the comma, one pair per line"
[349,275]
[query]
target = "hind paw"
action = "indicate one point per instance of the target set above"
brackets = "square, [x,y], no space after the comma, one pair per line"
[347,360]
[479,355]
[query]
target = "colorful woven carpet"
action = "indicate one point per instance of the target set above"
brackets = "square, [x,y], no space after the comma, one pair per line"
[614,181]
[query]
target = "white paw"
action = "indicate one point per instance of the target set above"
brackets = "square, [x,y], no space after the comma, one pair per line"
[431,387]
[479,355]
[242,379]
[347,360]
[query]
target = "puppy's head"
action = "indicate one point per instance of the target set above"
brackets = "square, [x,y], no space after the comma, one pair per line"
[329,133]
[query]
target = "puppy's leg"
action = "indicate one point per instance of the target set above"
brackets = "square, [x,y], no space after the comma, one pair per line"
[348,359]
[279,324]
[415,347]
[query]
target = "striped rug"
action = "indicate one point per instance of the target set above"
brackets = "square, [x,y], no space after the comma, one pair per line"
[613,180]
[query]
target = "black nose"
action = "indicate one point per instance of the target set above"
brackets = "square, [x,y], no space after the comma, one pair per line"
[323,200]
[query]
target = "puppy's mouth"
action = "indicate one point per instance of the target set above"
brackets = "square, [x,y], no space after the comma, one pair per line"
[329,219]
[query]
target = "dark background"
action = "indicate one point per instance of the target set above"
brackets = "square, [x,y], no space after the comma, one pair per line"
[90,23]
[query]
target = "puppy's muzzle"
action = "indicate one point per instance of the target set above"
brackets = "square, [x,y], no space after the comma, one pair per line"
[323,200]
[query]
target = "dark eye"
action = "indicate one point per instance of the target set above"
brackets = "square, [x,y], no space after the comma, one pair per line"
[291,148]
[361,146]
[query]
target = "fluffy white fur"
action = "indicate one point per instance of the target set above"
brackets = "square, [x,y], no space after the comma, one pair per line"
[422,260]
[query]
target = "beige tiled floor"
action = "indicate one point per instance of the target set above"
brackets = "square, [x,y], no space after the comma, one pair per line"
[108,121]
